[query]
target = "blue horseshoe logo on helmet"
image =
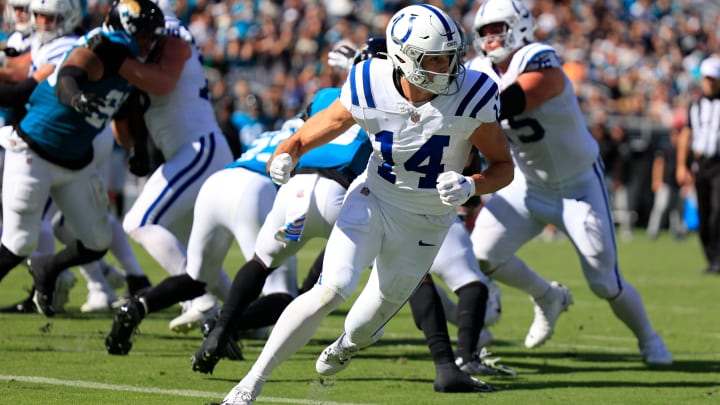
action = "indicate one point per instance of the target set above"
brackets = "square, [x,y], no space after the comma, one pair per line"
[410,28]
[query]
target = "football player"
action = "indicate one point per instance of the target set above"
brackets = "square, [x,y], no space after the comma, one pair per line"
[558,180]
[423,113]
[77,99]
[181,122]
[304,208]
[217,221]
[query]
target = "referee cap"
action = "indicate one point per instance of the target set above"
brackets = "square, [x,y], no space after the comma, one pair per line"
[710,67]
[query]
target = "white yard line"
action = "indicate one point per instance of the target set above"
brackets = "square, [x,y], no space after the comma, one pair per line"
[153,390]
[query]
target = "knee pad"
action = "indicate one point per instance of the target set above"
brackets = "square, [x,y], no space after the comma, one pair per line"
[606,287]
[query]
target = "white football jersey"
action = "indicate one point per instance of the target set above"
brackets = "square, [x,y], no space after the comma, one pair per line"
[413,144]
[19,42]
[550,144]
[184,115]
[50,53]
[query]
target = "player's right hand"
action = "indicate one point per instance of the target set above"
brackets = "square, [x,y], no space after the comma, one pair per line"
[87,103]
[280,168]
[343,57]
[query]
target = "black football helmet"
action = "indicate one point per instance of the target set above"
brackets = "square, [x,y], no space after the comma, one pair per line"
[136,17]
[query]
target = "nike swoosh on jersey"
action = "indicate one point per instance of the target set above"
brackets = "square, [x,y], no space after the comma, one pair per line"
[421,243]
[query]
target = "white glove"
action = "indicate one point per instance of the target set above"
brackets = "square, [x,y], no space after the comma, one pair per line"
[454,188]
[280,168]
[342,57]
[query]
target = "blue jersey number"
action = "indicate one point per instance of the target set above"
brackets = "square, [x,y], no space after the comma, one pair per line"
[427,160]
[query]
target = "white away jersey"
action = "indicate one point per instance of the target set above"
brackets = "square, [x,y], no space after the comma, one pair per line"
[413,144]
[550,144]
[184,115]
[19,42]
[50,53]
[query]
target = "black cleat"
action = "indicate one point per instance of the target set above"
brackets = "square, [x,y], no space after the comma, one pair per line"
[26,306]
[213,348]
[44,284]
[233,351]
[125,324]
[450,379]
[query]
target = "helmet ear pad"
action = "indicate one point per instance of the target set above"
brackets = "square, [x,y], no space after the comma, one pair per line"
[420,30]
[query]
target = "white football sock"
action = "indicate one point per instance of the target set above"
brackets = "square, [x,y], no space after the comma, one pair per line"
[293,330]
[516,273]
[121,249]
[163,246]
[629,308]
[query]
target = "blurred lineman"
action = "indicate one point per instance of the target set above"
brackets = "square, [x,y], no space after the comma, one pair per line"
[50,152]
[49,29]
[182,124]
[542,118]
[238,216]
[423,113]
[700,140]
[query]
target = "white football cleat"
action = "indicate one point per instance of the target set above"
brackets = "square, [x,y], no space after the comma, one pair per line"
[195,314]
[547,310]
[335,358]
[99,298]
[239,396]
[98,301]
[655,352]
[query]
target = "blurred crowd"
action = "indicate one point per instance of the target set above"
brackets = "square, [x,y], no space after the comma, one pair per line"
[627,58]
[634,63]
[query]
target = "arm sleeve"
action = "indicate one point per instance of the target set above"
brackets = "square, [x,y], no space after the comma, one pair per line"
[70,79]
[16,94]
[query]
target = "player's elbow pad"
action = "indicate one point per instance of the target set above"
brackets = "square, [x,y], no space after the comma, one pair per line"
[14,94]
[512,101]
[70,80]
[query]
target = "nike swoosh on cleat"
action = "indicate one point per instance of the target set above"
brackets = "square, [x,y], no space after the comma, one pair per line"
[421,243]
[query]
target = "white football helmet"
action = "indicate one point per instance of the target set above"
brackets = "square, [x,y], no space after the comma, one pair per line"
[422,30]
[66,17]
[519,27]
[20,25]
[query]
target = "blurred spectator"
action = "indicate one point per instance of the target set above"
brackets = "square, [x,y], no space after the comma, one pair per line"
[668,199]
[249,119]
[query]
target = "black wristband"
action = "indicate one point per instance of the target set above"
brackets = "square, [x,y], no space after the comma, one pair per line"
[70,80]
[512,101]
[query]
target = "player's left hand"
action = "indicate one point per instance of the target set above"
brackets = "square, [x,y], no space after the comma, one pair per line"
[280,168]
[454,188]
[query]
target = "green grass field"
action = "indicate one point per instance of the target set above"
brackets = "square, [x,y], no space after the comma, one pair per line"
[592,358]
